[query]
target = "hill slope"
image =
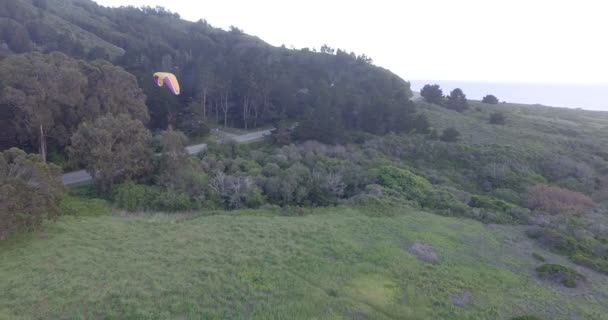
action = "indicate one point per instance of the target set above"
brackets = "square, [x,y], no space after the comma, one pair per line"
[226,77]
[336,263]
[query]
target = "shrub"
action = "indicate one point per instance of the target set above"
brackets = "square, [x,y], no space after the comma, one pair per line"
[412,186]
[507,195]
[421,124]
[30,192]
[450,135]
[560,274]
[553,240]
[538,257]
[137,197]
[490,99]
[171,200]
[446,203]
[497,118]
[597,264]
[555,200]
[490,203]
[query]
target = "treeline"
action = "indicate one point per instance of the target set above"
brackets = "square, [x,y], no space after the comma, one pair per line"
[227,77]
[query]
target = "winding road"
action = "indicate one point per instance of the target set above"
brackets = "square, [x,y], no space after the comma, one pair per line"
[82,176]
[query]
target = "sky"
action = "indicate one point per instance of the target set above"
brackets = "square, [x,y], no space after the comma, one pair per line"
[531,41]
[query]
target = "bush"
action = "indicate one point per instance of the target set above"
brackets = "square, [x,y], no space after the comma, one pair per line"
[554,240]
[497,118]
[137,197]
[450,135]
[507,195]
[560,274]
[490,203]
[538,257]
[490,99]
[171,201]
[30,192]
[413,187]
[597,264]
[555,200]
[446,203]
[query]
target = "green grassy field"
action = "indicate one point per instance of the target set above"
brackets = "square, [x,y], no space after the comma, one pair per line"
[334,263]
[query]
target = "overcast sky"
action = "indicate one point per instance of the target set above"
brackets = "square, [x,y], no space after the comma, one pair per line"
[476,40]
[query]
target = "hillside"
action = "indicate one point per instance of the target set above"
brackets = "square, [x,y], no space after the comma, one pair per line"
[227,77]
[364,202]
[334,263]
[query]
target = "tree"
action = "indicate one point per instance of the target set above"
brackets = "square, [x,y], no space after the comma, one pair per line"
[490,99]
[112,149]
[173,154]
[44,91]
[497,118]
[450,135]
[457,100]
[48,96]
[30,192]
[282,134]
[432,93]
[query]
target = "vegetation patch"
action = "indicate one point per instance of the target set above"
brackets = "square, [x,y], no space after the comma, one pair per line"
[461,299]
[424,252]
[374,289]
[560,274]
[538,257]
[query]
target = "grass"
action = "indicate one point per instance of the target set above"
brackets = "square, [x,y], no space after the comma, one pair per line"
[81,201]
[335,263]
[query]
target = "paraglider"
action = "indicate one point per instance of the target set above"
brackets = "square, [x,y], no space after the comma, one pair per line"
[167,79]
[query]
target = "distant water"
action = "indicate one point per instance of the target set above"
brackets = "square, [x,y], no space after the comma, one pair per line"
[590,97]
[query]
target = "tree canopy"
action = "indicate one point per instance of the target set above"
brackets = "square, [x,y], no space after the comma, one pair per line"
[112,149]
[48,96]
[227,77]
[457,100]
[490,99]
[432,93]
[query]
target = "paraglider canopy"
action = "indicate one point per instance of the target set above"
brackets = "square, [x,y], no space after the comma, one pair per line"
[167,79]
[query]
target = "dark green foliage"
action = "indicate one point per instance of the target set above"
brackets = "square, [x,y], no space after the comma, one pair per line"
[412,187]
[457,101]
[112,149]
[497,118]
[432,93]
[490,99]
[136,197]
[226,77]
[490,203]
[30,192]
[560,274]
[450,135]
[596,263]
[421,124]
[56,93]
[554,240]
[538,257]
[444,202]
